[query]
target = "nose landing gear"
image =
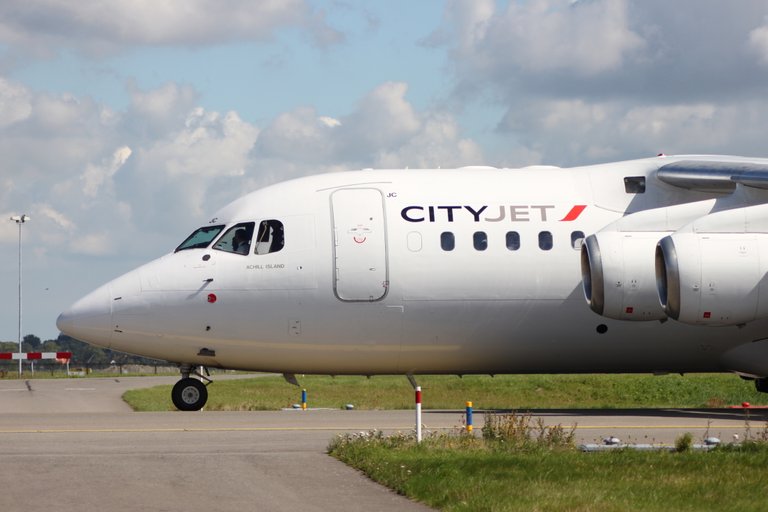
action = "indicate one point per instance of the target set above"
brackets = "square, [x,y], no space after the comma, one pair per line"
[190,394]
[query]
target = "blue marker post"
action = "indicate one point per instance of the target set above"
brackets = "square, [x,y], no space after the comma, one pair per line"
[469,417]
[303,399]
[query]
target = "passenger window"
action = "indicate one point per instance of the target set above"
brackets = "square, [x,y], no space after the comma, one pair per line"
[577,240]
[414,241]
[513,240]
[270,238]
[545,240]
[200,238]
[447,241]
[480,240]
[237,239]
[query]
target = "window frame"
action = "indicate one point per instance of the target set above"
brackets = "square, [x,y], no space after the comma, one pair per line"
[225,238]
[480,241]
[546,240]
[200,245]
[447,238]
[275,241]
[577,239]
[515,235]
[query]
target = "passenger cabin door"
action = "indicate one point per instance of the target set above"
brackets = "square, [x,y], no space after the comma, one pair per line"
[360,245]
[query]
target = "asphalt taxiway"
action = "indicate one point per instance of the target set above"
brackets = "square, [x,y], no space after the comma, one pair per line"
[73,444]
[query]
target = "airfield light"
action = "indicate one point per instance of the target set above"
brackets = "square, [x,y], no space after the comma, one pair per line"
[20,219]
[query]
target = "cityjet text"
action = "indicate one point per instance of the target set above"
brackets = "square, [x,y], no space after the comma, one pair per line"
[511,213]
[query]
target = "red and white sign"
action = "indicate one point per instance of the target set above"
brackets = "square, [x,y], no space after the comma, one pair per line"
[62,356]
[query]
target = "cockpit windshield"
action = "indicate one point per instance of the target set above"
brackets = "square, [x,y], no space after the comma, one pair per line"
[200,239]
[237,239]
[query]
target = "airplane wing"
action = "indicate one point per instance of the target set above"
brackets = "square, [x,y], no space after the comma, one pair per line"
[715,176]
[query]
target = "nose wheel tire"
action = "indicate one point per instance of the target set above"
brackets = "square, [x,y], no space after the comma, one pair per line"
[189,394]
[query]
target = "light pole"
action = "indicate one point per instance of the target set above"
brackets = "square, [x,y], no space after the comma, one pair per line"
[20,219]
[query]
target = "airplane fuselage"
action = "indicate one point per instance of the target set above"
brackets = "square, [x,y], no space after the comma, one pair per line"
[472,270]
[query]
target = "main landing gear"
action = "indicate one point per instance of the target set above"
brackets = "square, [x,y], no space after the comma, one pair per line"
[190,394]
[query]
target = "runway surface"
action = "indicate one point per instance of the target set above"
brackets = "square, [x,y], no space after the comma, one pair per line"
[73,444]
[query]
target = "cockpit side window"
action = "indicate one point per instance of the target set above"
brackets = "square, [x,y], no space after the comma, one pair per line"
[270,237]
[237,239]
[200,238]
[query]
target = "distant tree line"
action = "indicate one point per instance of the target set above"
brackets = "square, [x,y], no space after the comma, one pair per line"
[83,354]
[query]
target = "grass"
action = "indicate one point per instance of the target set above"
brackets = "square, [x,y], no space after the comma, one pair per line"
[461,472]
[517,464]
[450,392]
[473,479]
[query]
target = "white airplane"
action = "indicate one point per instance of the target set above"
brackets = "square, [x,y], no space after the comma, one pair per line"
[474,270]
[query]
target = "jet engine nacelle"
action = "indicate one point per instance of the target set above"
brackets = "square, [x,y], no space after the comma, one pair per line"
[713,278]
[618,275]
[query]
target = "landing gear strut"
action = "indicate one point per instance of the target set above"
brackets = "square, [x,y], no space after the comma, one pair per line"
[190,394]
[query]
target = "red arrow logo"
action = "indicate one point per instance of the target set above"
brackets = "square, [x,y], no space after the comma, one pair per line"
[574,213]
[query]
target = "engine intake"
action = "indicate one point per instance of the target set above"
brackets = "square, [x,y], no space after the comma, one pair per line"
[668,277]
[713,278]
[618,275]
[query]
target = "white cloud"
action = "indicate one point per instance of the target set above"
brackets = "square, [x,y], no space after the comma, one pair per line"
[464,23]
[208,144]
[211,158]
[102,179]
[611,79]
[95,176]
[9,232]
[157,111]
[57,113]
[758,41]
[178,171]
[570,132]
[14,103]
[51,142]
[385,130]
[605,48]
[92,244]
[582,38]
[57,217]
[437,144]
[655,122]
[383,120]
[301,133]
[535,36]
[44,26]
[330,122]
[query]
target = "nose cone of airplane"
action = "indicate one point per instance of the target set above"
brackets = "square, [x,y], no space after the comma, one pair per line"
[90,318]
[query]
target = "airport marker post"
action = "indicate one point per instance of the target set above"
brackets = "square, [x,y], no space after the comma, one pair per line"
[469,417]
[418,414]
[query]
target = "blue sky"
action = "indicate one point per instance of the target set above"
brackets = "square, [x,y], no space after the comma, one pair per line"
[123,124]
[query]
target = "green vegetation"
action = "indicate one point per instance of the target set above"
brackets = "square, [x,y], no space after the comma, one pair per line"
[450,392]
[684,442]
[517,465]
